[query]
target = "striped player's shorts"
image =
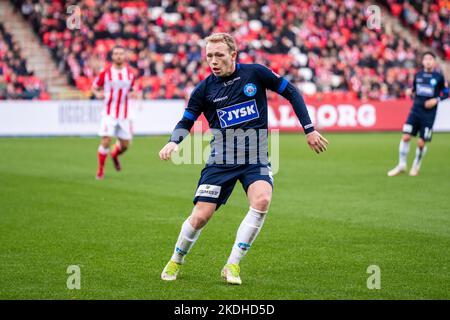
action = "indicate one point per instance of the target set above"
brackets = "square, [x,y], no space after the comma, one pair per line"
[113,127]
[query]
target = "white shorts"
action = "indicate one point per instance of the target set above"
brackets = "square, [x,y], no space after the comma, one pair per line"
[121,128]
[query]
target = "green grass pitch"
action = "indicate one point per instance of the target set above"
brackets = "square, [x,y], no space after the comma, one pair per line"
[332,216]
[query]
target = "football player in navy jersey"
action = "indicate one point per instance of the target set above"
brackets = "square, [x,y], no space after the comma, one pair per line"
[233,100]
[429,88]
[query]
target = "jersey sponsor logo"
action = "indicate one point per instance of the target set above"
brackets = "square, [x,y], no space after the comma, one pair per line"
[220,99]
[238,113]
[250,89]
[208,190]
[425,90]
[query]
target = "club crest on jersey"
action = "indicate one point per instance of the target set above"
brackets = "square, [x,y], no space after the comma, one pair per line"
[433,82]
[250,89]
[238,113]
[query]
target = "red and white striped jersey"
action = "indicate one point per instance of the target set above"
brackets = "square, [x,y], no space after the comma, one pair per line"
[117,83]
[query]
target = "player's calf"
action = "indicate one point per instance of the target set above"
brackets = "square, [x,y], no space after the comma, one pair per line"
[119,148]
[102,154]
[420,153]
[403,151]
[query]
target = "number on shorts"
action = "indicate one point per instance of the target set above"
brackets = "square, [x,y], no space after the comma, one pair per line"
[428,133]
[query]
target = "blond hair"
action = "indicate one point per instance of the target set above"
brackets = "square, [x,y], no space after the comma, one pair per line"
[223,37]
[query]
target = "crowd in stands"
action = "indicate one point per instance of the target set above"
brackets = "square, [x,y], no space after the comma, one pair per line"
[321,46]
[430,20]
[16,81]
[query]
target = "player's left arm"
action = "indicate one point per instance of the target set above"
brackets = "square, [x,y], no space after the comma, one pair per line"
[442,88]
[286,89]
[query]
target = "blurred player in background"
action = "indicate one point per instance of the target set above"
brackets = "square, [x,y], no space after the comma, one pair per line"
[114,85]
[429,88]
[233,100]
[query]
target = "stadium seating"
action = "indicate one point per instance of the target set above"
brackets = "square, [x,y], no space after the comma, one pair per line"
[321,46]
[429,19]
[16,81]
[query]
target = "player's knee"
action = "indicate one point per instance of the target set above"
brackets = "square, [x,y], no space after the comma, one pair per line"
[106,142]
[421,143]
[201,215]
[124,145]
[198,220]
[406,137]
[262,202]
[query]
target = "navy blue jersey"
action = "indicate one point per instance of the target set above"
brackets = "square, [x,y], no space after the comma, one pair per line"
[428,85]
[237,104]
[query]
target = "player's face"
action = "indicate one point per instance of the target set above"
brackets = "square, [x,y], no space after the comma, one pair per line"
[428,62]
[220,59]
[118,56]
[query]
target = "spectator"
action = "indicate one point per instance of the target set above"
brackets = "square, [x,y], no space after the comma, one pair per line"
[322,46]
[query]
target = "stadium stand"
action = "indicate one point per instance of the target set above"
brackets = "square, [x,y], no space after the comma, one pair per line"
[429,19]
[16,81]
[321,46]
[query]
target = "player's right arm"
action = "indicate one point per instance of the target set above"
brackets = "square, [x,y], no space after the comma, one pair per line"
[97,86]
[183,127]
[411,92]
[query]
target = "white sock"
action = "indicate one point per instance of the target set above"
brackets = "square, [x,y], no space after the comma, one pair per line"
[186,239]
[246,234]
[420,153]
[403,153]
[102,150]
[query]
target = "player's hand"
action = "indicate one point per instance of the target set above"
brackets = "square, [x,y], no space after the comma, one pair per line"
[409,93]
[165,152]
[431,103]
[316,142]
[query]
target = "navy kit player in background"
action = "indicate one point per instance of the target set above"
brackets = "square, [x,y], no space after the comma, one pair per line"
[233,100]
[428,89]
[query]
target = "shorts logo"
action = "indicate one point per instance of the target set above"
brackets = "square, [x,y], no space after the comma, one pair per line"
[250,89]
[208,190]
[407,128]
[238,113]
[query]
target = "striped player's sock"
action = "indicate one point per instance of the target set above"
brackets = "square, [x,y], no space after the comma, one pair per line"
[102,155]
[117,150]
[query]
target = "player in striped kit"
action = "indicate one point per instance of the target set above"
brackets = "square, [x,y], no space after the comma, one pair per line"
[114,85]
